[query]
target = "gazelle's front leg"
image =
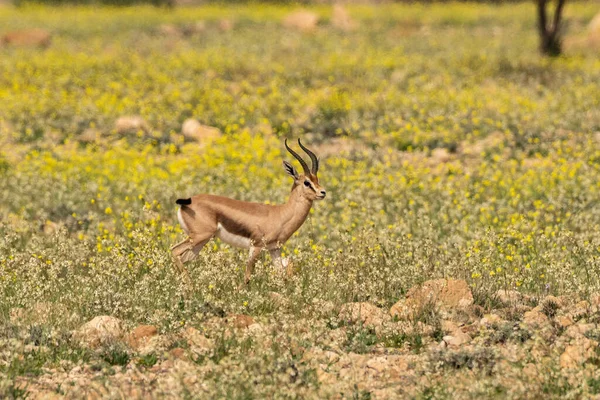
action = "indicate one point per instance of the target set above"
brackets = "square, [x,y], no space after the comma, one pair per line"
[253,256]
[281,262]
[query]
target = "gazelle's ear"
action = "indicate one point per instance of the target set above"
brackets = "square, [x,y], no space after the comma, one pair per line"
[290,170]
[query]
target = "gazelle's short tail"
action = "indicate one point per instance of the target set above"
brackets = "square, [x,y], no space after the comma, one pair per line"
[184,202]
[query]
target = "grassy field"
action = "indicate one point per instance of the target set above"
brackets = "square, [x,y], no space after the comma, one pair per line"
[449,147]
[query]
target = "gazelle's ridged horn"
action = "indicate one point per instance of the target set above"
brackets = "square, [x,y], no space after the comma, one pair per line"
[297,157]
[313,158]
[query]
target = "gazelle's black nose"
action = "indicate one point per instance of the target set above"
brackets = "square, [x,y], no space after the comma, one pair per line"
[323,193]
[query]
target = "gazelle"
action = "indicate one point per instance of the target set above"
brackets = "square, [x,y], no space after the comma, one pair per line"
[252,226]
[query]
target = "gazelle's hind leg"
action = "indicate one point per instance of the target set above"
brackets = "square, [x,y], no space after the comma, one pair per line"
[185,251]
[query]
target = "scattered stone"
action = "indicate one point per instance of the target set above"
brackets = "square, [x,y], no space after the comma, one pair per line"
[100,330]
[371,371]
[301,20]
[341,19]
[240,321]
[580,310]
[131,124]
[576,354]
[491,320]
[199,344]
[365,313]
[141,335]
[445,294]
[578,331]
[440,155]
[178,353]
[28,37]
[563,321]
[535,319]
[449,326]
[510,297]
[457,338]
[531,371]
[552,301]
[195,131]
[89,136]
[255,329]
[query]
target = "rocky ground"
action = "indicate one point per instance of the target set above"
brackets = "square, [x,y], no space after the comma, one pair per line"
[433,343]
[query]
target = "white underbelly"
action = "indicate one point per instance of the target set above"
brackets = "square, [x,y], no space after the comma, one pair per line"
[182,222]
[232,239]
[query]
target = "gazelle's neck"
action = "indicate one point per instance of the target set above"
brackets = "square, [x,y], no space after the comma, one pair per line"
[295,211]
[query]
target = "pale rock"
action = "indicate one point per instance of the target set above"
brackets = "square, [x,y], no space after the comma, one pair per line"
[445,294]
[490,320]
[510,297]
[131,124]
[580,310]
[440,155]
[556,301]
[564,321]
[536,319]
[178,353]
[323,307]
[27,37]
[577,353]
[578,331]
[89,135]
[449,326]
[336,337]
[457,338]
[100,330]
[141,335]
[301,20]
[199,344]
[320,356]
[193,130]
[531,371]
[325,378]
[255,329]
[365,313]
[402,310]
[239,321]
[341,19]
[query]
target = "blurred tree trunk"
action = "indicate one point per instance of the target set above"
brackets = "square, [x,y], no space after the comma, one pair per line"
[550,31]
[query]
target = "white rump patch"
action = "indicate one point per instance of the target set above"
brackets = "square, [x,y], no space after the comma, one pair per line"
[232,239]
[182,222]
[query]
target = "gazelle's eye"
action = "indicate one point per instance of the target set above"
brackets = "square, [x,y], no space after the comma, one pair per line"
[307,183]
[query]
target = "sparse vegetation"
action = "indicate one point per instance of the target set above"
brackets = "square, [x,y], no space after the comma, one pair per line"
[449,149]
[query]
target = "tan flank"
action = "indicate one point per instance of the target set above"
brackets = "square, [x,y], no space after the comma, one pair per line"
[252,226]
